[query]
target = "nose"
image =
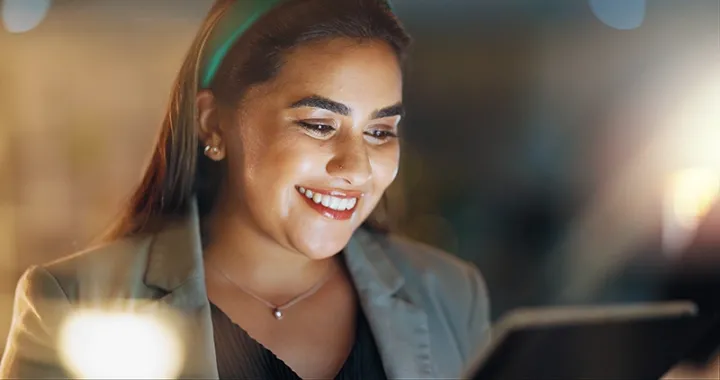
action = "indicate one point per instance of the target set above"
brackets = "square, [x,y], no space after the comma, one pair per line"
[351,162]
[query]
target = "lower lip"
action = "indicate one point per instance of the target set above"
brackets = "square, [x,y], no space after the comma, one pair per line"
[328,212]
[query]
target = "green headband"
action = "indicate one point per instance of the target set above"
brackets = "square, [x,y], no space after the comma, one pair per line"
[235,21]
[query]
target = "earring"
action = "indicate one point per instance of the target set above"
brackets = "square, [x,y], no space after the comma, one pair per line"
[211,150]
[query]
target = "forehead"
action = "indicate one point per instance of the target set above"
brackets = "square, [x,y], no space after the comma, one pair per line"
[364,75]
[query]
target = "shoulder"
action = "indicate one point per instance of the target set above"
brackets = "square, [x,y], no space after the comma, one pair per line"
[46,294]
[419,262]
[121,252]
[451,289]
[100,269]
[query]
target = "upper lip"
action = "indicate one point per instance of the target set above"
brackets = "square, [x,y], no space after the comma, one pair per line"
[339,193]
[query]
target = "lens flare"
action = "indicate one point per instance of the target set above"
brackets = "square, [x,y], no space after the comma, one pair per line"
[692,192]
[103,345]
[689,196]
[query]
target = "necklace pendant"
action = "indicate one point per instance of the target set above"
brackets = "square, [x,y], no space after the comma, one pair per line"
[277,313]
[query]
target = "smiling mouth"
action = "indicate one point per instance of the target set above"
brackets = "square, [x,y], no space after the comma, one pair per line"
[331,204]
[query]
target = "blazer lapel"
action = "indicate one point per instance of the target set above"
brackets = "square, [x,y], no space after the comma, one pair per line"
[175,266]
[399,325]
[398,322]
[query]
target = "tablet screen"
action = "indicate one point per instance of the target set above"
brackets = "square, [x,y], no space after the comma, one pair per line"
[609,346]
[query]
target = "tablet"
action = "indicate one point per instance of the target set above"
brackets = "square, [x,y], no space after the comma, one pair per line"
[639,341]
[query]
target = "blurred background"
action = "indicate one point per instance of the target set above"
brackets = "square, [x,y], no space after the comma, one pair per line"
[570,148]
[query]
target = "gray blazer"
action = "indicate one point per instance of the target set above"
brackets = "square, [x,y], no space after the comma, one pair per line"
[428,310]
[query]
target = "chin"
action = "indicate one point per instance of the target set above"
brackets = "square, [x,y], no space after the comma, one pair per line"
[319,246]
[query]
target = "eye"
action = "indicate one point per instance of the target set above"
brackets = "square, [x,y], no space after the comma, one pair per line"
[380,136]
[317,129]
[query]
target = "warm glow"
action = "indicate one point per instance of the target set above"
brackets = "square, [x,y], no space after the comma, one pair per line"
[692,143]
[697,136]
[96,344]
[691,194]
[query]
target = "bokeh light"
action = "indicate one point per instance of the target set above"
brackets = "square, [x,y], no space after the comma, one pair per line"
[691,194]
[120,345]
[698,134]
[620,14]
[691,154]
[20,16]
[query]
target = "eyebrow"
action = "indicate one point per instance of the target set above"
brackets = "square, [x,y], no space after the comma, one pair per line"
[393,110]
[324,103]
[316,101]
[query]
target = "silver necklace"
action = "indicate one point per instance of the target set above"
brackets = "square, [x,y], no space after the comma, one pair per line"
[278,310]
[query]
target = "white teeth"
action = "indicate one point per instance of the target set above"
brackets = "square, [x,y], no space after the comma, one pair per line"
[335,203]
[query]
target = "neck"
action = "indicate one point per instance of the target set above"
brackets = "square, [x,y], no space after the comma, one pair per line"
[250,258]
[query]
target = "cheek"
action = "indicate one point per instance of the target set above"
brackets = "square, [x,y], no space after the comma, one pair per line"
[385,164]
[256,149]
[246,145]
[283,164]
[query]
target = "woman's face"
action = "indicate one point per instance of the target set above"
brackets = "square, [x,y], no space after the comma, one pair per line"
[311,152]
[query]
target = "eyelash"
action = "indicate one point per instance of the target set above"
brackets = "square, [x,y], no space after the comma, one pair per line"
[318,129]
[323,130]
[382,134]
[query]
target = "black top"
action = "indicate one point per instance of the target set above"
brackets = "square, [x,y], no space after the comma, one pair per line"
[239,356]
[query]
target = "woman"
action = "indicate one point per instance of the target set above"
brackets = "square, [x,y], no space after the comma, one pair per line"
[260,216]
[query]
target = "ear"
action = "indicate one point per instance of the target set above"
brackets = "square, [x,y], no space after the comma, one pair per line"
[210,133]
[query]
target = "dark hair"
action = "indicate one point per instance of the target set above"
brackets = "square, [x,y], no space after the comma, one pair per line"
[178,169]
